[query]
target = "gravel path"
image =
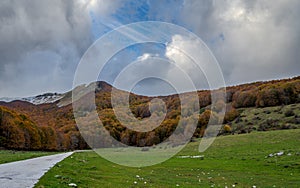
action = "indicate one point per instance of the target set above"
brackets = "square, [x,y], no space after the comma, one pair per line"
[26,173]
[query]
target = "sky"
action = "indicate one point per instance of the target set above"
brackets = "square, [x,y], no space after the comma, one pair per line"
[42,42]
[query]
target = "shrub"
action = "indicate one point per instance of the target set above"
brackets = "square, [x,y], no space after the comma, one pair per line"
[242,129]
[227,128]
[218,107]
[289,113]
[244,99]
[269,124]
[231,115]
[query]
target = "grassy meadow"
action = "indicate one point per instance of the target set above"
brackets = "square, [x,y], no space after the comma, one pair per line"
[7,156]
[258,159]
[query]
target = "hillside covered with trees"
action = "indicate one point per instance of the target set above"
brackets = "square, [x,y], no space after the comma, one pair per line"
[25,126]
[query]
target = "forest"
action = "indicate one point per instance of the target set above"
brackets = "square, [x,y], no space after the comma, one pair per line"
[25,126]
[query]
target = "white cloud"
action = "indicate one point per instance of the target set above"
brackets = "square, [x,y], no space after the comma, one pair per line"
[146,56]
[187,62]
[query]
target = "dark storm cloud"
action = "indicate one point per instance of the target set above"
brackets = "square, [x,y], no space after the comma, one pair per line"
[41,41]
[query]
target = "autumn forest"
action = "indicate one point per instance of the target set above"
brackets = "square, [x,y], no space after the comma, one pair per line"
[25,126]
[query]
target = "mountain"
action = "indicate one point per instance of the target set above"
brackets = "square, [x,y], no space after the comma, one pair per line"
[9,99]
[47,122]
[63,98]
[45,98]
[39,99]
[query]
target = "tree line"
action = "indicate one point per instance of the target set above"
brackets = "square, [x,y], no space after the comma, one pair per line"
[26,126]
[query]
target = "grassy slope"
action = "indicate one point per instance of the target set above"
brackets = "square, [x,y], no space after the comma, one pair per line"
[236,159]
[10,156]
[253,117]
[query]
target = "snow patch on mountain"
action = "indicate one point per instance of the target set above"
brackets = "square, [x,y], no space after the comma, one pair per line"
[45,98]
[39,99]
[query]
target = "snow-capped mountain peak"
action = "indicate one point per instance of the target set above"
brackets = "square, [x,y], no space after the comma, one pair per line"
[39,99]
[45,98]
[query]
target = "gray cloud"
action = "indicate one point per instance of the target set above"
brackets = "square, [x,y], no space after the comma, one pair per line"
[42,41]
[253,40]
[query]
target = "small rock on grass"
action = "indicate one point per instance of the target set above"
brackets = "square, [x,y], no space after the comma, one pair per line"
[72,185]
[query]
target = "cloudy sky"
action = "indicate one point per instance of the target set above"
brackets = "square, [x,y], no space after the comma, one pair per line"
[42,42]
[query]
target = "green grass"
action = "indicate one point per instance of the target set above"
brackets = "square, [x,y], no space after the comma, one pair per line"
[7,156]
[253,117]
[239,160]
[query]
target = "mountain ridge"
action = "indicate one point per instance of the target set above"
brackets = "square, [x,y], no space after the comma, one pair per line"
[58,115]
[54,96]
